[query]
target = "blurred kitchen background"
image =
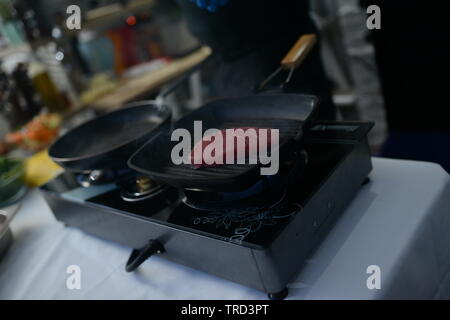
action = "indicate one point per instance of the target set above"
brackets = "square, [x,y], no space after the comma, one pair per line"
[52,78]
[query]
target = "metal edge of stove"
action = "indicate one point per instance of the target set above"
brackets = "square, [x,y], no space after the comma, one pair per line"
[267,270]
[182,247]
[282,261]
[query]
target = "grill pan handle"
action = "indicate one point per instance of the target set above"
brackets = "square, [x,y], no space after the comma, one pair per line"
[292,60]
[299,52]
[138,257]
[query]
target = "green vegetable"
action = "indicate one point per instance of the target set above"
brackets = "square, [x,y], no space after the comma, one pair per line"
[9,168]
[11,179]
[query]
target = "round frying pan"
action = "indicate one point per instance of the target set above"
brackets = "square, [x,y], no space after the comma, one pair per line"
[107,142]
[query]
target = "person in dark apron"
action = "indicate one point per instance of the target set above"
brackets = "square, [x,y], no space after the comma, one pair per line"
[250,38]
[413,61]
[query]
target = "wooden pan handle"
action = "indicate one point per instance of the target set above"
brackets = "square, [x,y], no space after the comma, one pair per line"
[299,51]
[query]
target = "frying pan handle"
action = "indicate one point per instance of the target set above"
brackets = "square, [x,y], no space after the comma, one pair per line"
[138,257]
[299,51]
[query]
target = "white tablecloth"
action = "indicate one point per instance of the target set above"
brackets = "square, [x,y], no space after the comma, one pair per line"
[399,222]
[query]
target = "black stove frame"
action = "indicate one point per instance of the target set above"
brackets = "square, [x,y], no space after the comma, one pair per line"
[269,266]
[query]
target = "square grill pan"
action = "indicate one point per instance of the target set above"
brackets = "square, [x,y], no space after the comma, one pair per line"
[290,113]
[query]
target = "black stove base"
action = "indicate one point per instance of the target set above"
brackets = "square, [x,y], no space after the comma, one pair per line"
[279,295]
[266,255]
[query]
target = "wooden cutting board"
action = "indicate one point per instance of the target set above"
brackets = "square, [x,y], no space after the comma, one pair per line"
[130,89]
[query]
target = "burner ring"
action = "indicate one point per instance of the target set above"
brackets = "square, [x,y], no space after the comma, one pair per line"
[210,201]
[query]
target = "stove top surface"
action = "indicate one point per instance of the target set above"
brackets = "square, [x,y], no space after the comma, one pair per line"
[250,226]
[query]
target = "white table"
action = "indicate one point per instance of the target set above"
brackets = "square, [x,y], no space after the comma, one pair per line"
[399,222]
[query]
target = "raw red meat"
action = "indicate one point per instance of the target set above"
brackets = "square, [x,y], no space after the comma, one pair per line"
[251,147]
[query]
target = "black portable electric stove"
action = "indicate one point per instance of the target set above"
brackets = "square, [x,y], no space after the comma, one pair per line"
[258,237]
